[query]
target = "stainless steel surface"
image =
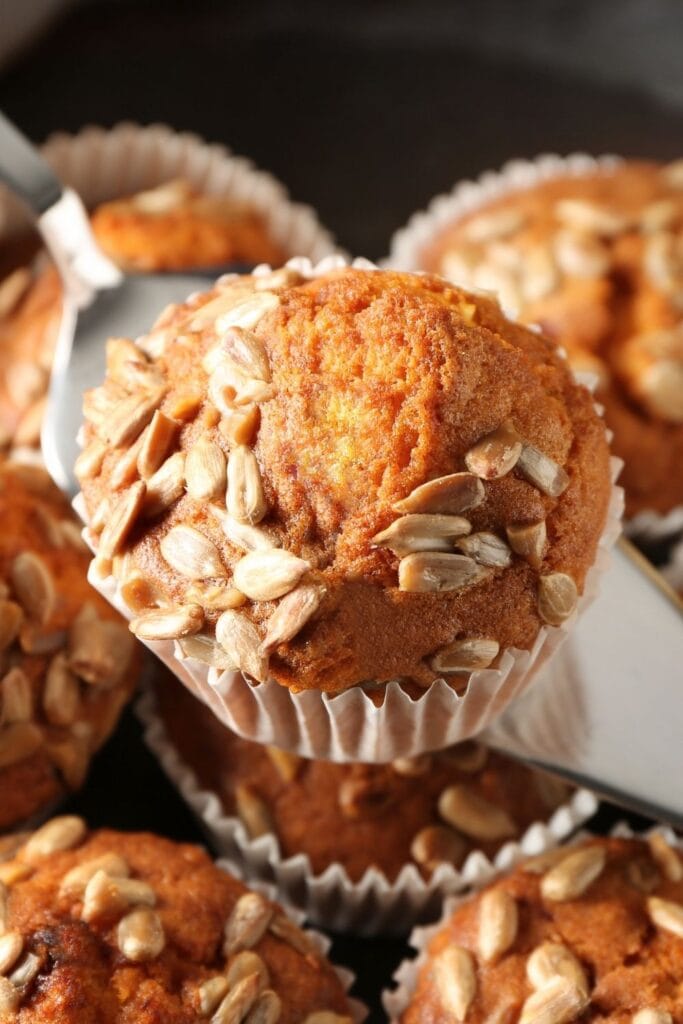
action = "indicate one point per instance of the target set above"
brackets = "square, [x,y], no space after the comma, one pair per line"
[607,712]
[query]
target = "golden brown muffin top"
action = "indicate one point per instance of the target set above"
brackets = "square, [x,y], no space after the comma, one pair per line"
[419,480]
[591,932]
[114,928]
[427,811]
[67,662]
[597,260]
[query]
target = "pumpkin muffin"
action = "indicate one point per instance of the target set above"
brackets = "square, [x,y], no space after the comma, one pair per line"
[597,260]
[115,928]
[67,662]
[590,933]
[428,810]
[361,476]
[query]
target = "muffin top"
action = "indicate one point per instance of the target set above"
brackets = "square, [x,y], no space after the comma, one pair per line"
[427,811]
[67,662]
[597,260]
[590,932]
[107,927]
[413,482]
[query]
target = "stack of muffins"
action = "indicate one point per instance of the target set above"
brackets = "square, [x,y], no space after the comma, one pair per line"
[342,504]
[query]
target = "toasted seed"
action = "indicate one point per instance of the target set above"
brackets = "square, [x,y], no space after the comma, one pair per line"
[75,881]
[11,618]
[267,575]
[119,352]
[218,598]
[165,486]
[35,639]
[498,224]
[99,649]
[11,945]
[529,541]
[286,764]
[558,1003]
[34,585]
[242,535]
[98,520]
[582,215]
[659,216]
[666,914]
[191,554]
[292,614]
[232,309]
[237,1002]
[10,997]
[266,1010]
[412,767]
[210,993]
[289,932]
[121,520]
[247,923]
[62,833]
[12,289]
[469,756]
[501,283]
[283,277]
[24,383]
[158,438]
[245,498]
[661,260]
[89,462]
[498,922]
[456,980]
[474,816]
[327,1017]
[129,417]
[12,872]
[126,469]
[574,875]
[427,571]
[140,935]
[17,697]
[205,470]
[673,174]
[61,697]
[436,844]
[26,971]
[244,964]
[19,741]
[486,549]
[168,623]
[553,960]
[665,857]
[246,350]
[542,862]
[253,812]
[163,198]
[239,425]
[447,494]
[651,1015]
[557,597]
[542,471]
[106,896]
[185,406]
[496,453]
[466,655]
[34,478]
[581,255]
[422,533]
[240,639]
[661,387]
[205,649]
[540,275]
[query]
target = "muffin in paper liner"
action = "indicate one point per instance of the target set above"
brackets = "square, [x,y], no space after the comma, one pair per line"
[372,905]
[395,1000]
[467,196]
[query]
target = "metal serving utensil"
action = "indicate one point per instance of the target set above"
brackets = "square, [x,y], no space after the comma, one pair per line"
[606,712]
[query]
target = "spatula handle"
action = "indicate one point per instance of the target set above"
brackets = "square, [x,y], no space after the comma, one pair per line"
[24,170]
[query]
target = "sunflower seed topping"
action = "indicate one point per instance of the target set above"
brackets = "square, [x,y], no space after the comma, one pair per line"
[12,289]
[559,1002]
[247,923]
[17,698]
[486,549]
[542,471]
[11,945]
[19,741]
[26,971]
[168,623]
[466,655]
[540,275]
[412,767]
[63,833]
[287,765]
[469,756]
[205,649]
[106,895]
[435,571]
[327,1017]
[210,993]
[266,1010]
[158,438]
[496,454]
[240,639]
[75,881]
[165,486]
[34,585]
[89,462]
[267,575]
[253,812]
[581,255]
[246,350]
[486,227]
[11,618]
[238,426]
[205,470]
[191,554]
[10,997]
[421,532]
[553,960]
[498,922]
[245,964]
[659,216]
[436,844]
[238,1002]
[245,498]
[665,857]
[456,980]
[666,914]
[557,597]
[218,598]
[650,1015]
[582,215]
[574,875]
[121,520]
[528,540]
[242,535]
[447,494]
[129,416]
[474,816]
[292,614]
[99,649]
[140,935]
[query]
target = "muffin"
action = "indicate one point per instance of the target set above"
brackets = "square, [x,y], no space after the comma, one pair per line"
[427,811]
[592,932]
[68,664]
[130,927]
[414,484]
[595,258]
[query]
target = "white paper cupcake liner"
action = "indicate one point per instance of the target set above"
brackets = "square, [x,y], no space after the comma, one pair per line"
[409,241]
[372,905]
[396,1000]
[349,726]
[673,570]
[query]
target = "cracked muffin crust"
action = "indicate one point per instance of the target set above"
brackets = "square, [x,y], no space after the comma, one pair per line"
[67,662]
[363,476]
[427,811]
[589,932]
[597,260]
[115,928]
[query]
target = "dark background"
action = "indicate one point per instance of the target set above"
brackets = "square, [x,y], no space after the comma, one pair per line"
[365,110]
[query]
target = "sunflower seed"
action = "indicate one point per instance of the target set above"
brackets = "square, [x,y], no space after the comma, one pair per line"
[474,816]
[98,520]
[10,997]
[542,471]
[650,1015]
[558,1003]
[582,215]
[185,406]
[11,844]
[157,439]
[19,741]
[34,478]
[26,971]
[501,284]
[552,960]
[229,387]
[99,650]
[247,923]
[11,618]
[291,615]
[163,198]
[486,549]
[557,597]
[665,857]
[246,350]
[76,880]
[129,417]
[498,224]
[108,896]
[14,872]
[580,255]
[17,697]
[289,932]
[662,260]
[496,453]
[573,875]
[673,174]
[666,914]
[13,288]
[11,945]
[89,462]
[216,597]
[658,216]
[456,980]
[540,275]
[121,520]
[528,540]
[287,765]
[245,964]
[24,383]
[469,757]
[238,426]
[253,812]
[242,535]
[448,494]
[435,571]
[498,922]
[267,575]
[238,1002]
[283,277]
[34,585]
[327,1017]
[126,469]
[542,862]
[422,533]
[240,639]
[205,470]
[210,993]
[140,935]
[661,387]
[119,352]
[57,835]
[191,554]
[165,486]
[168,623]
[232,309]
[436,845]
[412,767]
[204,648]
[245,498]
[39,640]
[466,655]
[139,593]
[266,1010]
[27,430]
